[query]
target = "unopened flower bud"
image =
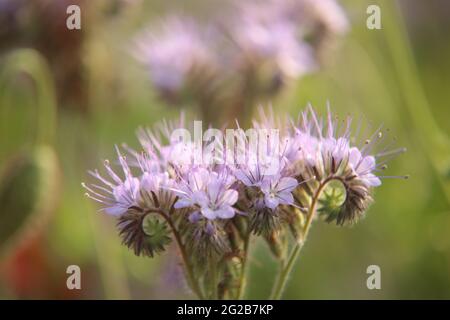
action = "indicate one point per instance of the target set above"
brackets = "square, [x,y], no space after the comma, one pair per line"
[277,243]
[28,193]
[296,221]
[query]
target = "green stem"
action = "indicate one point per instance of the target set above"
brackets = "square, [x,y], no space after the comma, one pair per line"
[213,278]
[286,269]
[242,279]
[193,284]
[278,278]
[433,140]
[285,272]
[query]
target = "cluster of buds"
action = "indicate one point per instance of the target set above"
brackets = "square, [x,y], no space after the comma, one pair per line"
[224,67]
[212,193]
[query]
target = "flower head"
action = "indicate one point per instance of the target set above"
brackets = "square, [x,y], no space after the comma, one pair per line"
[116,194]
[331,156]
[176,56]
[287,34]
[275,42]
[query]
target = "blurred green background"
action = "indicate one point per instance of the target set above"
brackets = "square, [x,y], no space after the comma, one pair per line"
[399,76]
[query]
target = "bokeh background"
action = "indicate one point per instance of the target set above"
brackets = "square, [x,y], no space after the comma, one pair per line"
[96,95]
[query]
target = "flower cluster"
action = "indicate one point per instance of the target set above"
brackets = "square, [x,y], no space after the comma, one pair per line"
[211,197]
[250,53]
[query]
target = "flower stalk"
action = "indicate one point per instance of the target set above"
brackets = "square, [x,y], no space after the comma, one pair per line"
[286,268]
[193,284]
[242,279]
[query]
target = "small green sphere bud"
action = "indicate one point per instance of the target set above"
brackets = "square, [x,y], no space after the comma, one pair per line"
[332,199]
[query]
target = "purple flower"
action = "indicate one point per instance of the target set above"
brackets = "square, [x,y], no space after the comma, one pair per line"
[276,32]
[156,190]
[191,191]
[363,166]
[273,40]
[175,153]
[330,156]
[315,159]
[250,176]
[116,195]
[278,191]
[173,55]
[209,192]
[219,200]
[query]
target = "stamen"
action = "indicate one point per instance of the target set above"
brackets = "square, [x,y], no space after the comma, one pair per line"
[405,177]
[316,122]
[387,153]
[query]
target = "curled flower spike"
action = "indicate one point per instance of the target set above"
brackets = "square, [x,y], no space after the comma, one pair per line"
[143,233]
[330,156]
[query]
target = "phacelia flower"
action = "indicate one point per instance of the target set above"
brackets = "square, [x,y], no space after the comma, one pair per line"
[116,194]
[330,156]
[274,42]
[278,191]
[177,57]
[288,34]
[315,164]
[225,65]
[209,192]
[211,208]
[155,190]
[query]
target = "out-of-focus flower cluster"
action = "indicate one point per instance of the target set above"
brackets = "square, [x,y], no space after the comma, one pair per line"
[247,55]
[213,192]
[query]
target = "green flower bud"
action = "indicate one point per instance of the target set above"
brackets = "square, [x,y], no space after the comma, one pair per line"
[296,221]
[28,193]
[158,233]
[342,200]
[277,243]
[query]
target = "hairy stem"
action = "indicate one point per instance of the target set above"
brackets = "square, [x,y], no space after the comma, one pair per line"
[193,284]
[213,278]
[286,268]
[242,278]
